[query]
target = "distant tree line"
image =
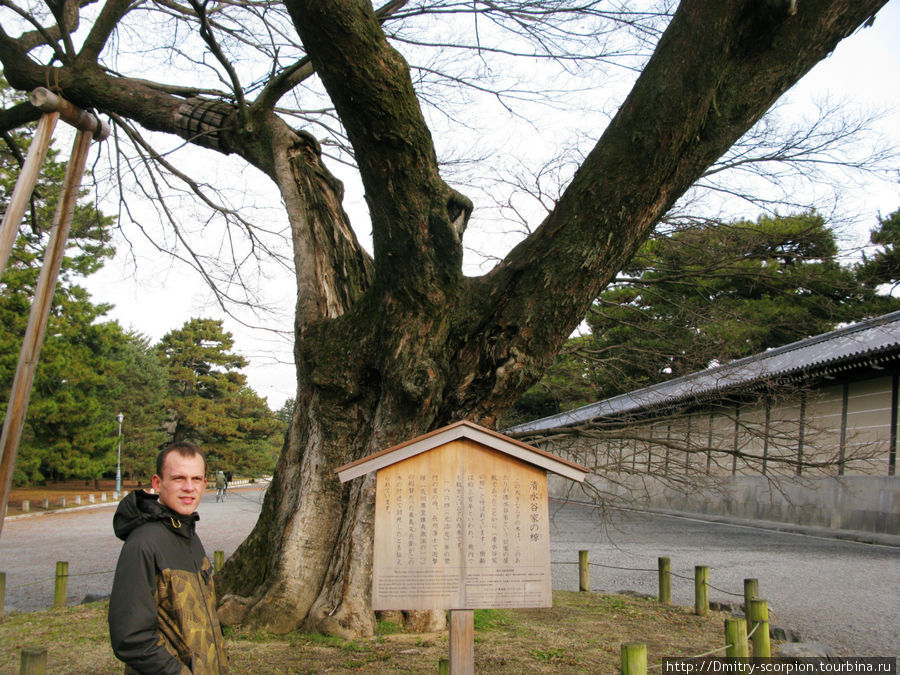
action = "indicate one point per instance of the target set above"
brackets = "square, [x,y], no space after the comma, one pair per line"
[187,387]
[709,292]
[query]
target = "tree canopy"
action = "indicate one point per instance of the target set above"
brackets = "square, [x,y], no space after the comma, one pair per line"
[883,265]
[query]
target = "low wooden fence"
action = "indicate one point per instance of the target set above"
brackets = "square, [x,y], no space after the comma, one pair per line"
[743,635]
[68,501]
[89,498]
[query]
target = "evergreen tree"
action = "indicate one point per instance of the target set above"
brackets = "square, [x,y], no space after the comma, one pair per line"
[209,401]
[283,414]
[883,267]
[139,388]
[254,448]
[704,295]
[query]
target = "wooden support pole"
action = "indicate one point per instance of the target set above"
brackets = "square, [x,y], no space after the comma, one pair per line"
[2,594]
[61,587]
[28,176]
[14,420]
[462,642]
[45,100]
[218,561]
[701,590]
[736,638]
[665,580]
[759,628]
[34,661]
[634,658]
[751,592]
[584,572]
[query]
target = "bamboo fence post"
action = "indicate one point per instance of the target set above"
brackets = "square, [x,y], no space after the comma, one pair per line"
[28,176]
[34,661]
[759,626]
[634,658]
[665,580]
[61,587]
[218,561]
[584,572]
[14,421]
[736,638]
[701,590]
[751,592]
[2,593]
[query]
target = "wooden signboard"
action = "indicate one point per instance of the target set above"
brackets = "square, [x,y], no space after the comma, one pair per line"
[461,527]
[461,523]
[461,520]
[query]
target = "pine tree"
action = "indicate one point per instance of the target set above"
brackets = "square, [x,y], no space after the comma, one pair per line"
[209,401]
[704,295]
[883,266]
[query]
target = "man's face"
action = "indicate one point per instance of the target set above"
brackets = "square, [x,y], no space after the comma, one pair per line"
[182,483]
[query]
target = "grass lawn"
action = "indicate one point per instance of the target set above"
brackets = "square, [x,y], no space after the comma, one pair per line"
[581,633]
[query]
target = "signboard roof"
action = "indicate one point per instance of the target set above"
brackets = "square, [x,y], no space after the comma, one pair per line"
[473,432]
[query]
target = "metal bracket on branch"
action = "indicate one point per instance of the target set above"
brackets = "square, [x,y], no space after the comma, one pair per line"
[199,118]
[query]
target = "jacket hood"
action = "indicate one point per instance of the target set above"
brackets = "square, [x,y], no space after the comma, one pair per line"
[139,507]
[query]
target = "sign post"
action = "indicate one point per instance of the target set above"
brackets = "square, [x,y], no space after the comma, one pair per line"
[461,523]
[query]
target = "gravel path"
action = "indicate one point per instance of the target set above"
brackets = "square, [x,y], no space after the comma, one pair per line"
[30,546]
[843,594]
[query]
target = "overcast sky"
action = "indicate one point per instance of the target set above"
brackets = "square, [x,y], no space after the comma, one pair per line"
[159,296]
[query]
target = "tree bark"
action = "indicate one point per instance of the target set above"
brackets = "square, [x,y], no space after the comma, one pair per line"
[393,346]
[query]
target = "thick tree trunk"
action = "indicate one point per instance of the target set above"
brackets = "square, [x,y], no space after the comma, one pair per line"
[423,349]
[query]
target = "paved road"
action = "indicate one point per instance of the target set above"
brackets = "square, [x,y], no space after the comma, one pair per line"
[844,594]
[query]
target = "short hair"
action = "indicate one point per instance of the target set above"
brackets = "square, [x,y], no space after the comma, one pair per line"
[184,449]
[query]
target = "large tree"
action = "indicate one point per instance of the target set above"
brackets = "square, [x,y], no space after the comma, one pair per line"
[391,344]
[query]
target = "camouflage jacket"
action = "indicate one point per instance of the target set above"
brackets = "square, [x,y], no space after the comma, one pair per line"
[162,611]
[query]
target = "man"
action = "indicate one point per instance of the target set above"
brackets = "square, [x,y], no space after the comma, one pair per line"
[220,485]
[162,611]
